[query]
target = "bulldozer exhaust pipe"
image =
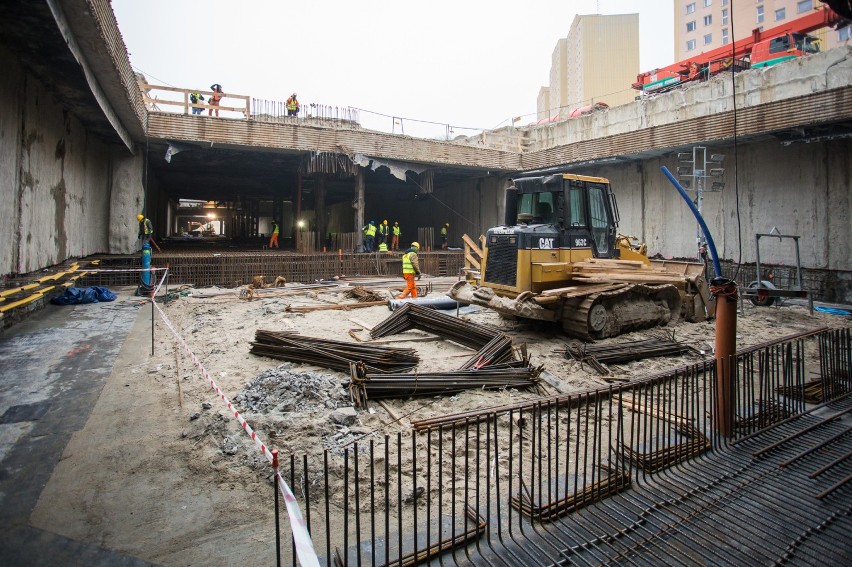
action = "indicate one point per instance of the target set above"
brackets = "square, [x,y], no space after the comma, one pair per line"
[511,216]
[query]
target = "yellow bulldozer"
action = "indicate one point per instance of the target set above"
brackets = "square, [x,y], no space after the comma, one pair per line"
[559,257]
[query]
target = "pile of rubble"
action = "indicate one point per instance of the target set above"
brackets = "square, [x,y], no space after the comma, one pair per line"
[285,390]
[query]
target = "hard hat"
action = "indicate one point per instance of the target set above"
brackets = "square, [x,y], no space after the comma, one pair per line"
[385,221]
[415,245]
[448,224]
[395,222]
[139,217]
[372,222]
[294,95]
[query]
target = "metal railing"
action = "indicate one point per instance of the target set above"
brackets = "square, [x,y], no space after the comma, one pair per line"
[498,486]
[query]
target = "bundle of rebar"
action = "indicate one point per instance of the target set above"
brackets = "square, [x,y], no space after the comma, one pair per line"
[366,385]
[615,481]
[336,355]
[595,355]
[767,412]
[653,459]
[413,316]
[812,392]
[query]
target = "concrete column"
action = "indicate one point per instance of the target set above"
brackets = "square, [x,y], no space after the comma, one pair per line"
[358,205]
[319,208]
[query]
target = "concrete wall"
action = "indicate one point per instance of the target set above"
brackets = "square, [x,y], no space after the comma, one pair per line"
[800,189]
[63,192]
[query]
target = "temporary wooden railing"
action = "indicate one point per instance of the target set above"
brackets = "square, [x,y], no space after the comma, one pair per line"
[473,254]
[154,103]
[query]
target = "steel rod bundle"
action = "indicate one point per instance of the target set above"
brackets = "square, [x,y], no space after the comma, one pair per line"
[366,385]
[813,392]
[615,481]
[336,355]
[597,354]
[362,294]
[413,316]
[657,456]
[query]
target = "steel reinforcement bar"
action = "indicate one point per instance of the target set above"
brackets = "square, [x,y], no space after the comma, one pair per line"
[632,473]
[232,269]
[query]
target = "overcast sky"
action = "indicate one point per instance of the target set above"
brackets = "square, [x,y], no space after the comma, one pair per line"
[469,63]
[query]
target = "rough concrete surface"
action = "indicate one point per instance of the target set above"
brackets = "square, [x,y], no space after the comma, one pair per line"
[157,468]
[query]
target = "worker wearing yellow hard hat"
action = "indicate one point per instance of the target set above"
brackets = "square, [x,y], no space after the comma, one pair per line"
[444,242]
[410,269]
[384,231]
[146,229]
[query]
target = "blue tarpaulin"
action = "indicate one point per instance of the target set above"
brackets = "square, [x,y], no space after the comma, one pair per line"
[75,295]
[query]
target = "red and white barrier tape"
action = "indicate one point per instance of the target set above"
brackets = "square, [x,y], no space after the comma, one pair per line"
[301,537]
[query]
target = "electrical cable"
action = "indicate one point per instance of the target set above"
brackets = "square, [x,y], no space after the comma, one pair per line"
[736,151]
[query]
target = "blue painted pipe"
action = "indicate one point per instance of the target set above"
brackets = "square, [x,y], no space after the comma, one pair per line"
[146,264]
[717,268]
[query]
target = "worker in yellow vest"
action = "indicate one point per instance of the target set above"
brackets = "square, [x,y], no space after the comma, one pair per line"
[444,243]
[369,236]
[273,240]
[410,269]
[384,232]
[293,105]
[396,232]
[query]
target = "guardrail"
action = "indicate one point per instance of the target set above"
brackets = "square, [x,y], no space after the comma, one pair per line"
[153,103]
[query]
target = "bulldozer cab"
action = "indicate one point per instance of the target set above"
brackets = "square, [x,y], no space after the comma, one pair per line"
[581,210]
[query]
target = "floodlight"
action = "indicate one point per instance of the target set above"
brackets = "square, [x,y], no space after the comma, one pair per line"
[717,186]
[717,171]
[683,170]
[685,183]
[684,156]
[717,158]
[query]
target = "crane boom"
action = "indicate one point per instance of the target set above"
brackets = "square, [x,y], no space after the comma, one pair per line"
[741,54]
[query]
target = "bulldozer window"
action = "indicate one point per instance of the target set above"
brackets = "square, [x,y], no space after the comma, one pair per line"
[538,207]
[600,220]
[577,207]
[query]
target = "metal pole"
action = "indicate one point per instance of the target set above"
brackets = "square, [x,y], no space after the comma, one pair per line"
[277,520]
[725,291]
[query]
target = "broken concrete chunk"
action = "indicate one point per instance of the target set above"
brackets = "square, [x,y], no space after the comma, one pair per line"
[344,416]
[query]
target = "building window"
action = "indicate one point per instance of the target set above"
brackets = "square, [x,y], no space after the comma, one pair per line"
[760,14]
[725,39]
[844,34]
[804,6]
[690,26]
[690,8]
[707,2]
[725,17]
[708,39]
[708,20]
[690,45]
[780,14]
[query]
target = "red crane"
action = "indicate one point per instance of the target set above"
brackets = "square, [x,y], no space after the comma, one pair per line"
[761,49]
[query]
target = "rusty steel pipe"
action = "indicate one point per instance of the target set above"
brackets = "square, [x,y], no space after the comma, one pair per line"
[725,291]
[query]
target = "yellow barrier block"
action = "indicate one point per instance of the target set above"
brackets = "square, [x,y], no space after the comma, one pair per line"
[33,297]
[27,287]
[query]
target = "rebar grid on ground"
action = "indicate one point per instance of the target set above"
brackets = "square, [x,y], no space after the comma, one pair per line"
[561,482]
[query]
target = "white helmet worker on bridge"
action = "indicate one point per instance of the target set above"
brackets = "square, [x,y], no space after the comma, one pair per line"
[410,269]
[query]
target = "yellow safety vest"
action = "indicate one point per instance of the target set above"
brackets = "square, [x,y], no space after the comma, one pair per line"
[275,229]
[444,231]
[370,230]
[407,266]
[292,103]
[383,247]
[396,231]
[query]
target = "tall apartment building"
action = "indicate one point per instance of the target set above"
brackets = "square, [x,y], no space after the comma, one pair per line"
[597,62]
[702,25]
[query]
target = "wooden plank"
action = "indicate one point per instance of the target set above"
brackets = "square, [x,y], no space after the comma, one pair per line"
[474,248]
[474,263]
[580,289]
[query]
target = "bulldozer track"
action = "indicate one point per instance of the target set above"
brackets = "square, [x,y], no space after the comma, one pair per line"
[611,313]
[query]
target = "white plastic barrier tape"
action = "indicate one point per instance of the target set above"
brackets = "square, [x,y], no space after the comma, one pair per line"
[301,537]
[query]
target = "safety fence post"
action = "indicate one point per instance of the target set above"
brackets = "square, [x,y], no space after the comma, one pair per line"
[277,521]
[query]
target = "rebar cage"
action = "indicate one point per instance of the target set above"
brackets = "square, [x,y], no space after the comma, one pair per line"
[632,473]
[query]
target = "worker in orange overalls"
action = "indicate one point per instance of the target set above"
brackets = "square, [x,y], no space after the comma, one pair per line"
[410,269]
[214,99]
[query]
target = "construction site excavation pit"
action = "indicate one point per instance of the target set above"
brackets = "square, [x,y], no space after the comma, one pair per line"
[384,479]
